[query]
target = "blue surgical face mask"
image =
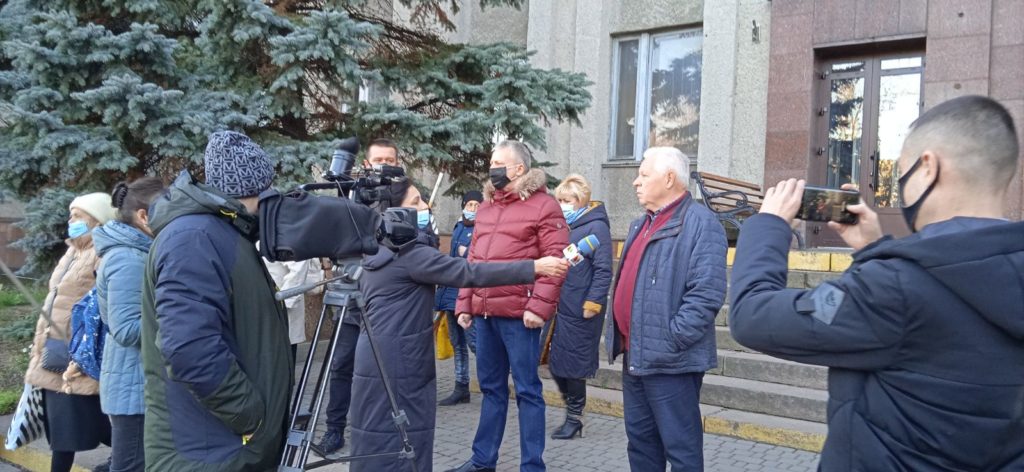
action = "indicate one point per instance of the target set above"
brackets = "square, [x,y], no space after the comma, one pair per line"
[469,215]
[77,229]
[567,209]
[423,218]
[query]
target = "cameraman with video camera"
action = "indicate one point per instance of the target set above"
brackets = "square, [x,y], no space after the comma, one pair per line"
[398,284]
[923,335]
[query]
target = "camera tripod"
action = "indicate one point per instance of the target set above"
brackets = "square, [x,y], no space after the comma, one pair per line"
[342,296]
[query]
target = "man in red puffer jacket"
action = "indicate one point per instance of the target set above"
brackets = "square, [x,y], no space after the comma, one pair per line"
[517,221]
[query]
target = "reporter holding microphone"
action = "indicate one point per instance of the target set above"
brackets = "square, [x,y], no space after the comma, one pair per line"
[577,328]
[398,284]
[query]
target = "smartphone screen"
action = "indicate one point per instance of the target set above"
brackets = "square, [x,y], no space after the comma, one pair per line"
[828,204]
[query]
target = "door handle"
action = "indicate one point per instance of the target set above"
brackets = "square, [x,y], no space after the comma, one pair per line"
[874,170]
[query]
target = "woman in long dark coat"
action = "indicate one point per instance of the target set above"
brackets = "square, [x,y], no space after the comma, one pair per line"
[399,290]
[577,328]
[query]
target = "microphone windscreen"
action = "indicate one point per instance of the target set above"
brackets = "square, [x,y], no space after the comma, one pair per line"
[588,245]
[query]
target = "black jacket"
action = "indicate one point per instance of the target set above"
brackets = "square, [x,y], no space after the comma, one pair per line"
[399,291]
[924,337]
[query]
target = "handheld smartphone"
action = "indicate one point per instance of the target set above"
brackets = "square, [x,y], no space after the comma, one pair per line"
[828,204]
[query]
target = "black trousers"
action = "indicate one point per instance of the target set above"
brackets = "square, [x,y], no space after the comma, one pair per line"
[340,384]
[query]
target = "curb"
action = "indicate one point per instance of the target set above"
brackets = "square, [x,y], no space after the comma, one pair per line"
[30,458]
[713,424]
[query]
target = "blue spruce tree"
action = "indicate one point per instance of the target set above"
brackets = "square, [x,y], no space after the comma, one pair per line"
[97,91]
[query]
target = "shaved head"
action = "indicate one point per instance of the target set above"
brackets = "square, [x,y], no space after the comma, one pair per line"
[975,135]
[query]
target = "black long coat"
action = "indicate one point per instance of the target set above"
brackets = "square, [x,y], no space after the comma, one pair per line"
[576,341]
[399,291]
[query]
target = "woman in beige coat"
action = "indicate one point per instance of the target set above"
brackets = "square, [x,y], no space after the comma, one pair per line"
[74,421]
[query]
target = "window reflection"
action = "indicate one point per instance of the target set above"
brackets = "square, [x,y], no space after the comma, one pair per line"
[846,125]
[899,105]
[675,91]
[626,99]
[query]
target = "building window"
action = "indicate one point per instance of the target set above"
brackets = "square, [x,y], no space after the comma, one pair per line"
[656,76]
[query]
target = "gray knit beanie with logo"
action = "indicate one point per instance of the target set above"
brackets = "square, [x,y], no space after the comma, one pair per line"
[236,165]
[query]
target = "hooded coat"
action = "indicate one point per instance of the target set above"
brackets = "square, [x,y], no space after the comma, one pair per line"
[923,337]
[399,292]
[526,224]
[215,349]
[123,250]
[575,344]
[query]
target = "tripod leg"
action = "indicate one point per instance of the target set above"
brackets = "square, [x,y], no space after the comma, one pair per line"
[289,449]
[399,416]
[321,387]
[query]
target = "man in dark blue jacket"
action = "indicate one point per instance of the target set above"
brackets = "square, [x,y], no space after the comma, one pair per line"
[924,335]
[670,285]
[215,349]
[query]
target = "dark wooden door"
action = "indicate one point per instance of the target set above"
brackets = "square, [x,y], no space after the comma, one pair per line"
[865,106]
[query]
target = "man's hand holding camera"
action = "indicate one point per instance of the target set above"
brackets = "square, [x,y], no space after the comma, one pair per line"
[784,199]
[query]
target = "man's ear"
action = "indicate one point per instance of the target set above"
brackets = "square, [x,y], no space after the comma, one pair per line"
[930,164]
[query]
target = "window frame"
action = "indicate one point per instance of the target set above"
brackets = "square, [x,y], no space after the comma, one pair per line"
[641,128]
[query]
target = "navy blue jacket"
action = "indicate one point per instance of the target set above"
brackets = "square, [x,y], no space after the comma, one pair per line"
[924,337]
[445,298]
[399,291]
[680,287]
[575,344]
[124,250]
[215,348]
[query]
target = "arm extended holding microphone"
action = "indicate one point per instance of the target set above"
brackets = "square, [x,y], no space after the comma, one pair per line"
[543,267]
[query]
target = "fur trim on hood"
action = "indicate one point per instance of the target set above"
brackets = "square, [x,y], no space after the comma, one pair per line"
[535,180]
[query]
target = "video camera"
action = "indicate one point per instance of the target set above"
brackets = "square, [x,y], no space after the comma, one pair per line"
[300,225]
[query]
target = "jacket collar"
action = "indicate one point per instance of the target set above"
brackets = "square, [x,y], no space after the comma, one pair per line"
[675,222]
[534,181]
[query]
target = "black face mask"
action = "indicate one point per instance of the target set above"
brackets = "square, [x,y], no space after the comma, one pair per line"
[910,212]
[499,177]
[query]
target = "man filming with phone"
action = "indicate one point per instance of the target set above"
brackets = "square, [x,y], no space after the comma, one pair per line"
[923,335]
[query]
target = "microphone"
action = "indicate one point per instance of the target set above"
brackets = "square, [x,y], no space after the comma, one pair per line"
[575,253]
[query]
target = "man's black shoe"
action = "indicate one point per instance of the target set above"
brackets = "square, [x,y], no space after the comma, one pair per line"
[469,466]
[332,442]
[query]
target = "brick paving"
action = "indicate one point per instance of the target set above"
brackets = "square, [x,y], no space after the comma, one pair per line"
[603,447]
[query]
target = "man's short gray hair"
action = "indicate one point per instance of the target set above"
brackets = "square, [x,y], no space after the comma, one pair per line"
[670,159]
[519,150]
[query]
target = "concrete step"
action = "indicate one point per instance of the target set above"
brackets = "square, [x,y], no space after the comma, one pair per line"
[764,368]
[765,398]
[724,340]
[722,319]
[768,429]
[760,394]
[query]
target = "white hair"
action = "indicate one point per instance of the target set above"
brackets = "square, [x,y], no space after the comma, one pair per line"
[669,159]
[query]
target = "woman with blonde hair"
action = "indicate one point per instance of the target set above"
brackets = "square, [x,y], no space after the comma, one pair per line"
[74,419]
[577,327]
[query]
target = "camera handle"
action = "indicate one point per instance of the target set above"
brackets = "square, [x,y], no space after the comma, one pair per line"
[342,295]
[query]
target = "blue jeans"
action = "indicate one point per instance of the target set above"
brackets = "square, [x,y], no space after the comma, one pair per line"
[504,344]
[126,452]
[663,422]
[463,340]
